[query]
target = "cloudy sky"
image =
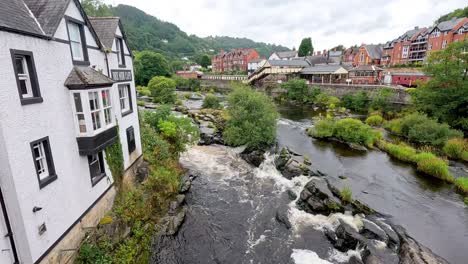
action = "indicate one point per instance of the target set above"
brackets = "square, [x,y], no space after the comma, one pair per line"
[286,22]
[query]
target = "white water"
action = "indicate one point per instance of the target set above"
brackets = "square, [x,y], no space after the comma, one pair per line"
[223,164]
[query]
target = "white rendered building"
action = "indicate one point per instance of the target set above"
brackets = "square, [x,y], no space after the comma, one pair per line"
[67,93]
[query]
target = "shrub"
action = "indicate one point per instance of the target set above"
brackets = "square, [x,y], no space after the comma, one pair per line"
[420,129]
[394,126]
[92,254]
[346,195]
[357,102]
[380,100]
[211,101]
[423,156]
[465,156]
[374,120]
[435,167]
[462,184]
[354,131]
[142,90]
[454,148]
[163,90]
[252,119]
[324,100]
[153,118]
[322,129]
[140,103]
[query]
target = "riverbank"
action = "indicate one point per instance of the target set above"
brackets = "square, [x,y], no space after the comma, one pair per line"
[211,162]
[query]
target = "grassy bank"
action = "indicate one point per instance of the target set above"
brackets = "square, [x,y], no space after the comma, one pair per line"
[425,162]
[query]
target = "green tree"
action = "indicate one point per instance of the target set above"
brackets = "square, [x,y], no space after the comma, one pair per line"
[252,119]
[163,90]
[211,101]
[205,61]
[306,47]
[297,89]
[445,95]
[460,12]
[96,8]
[149,64]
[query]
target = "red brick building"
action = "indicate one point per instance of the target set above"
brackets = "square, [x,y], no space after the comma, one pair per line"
[413,46]
[234,60]
[349,54]
[189,74]
[368,55]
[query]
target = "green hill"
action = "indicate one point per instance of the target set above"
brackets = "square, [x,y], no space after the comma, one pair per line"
[146,32]
[460,12]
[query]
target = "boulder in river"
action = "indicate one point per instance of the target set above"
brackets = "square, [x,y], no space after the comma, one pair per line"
[348,237]
[291,164]
[282,217]
[254,157]
[317,198]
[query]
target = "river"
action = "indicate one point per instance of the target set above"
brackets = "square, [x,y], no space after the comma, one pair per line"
[232,206]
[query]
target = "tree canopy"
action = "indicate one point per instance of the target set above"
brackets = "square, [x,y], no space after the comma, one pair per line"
[445,95]
[460,12]
[148,64]
[163,90]
[306,47]
[252,119]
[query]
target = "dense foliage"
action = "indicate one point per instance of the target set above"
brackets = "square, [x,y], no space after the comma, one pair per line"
[187,84]
[163,90]
[419,128]
[456,148]
[306,48]
[374,120]
[252,119]
[148,64]
[348,130]
[211,101]
[146,32]
[445,95]
[358,102]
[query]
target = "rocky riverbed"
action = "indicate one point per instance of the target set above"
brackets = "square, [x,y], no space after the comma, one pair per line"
[279,206]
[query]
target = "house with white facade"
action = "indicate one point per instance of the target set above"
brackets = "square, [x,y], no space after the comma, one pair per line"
[67,94]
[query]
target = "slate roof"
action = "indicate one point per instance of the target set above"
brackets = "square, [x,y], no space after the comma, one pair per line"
[318,60]
[321,69]
[366,68]
[105,28]
[286,54]
[335,53]
[83,77]
[16,16]
[289,63]
[48,13]
[448,25]
[374,51]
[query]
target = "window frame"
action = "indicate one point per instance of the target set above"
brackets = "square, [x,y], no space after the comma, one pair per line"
[81,27]
[49,160]
[120,52]
[126,111]
[131,144]
[32,74]
[100,160]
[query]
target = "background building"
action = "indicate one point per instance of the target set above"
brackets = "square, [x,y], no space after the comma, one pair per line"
[234,60]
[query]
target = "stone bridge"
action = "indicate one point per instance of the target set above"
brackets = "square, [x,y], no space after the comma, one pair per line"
[222,82]
[400,95]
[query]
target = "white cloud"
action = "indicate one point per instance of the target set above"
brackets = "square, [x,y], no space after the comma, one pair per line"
[286,22]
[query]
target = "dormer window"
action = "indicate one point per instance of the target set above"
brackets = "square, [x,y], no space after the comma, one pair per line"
[120,52]
[77,39]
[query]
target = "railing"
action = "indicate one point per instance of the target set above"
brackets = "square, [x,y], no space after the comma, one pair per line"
[225,77]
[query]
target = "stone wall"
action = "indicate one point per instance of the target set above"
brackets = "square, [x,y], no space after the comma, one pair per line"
[218,84]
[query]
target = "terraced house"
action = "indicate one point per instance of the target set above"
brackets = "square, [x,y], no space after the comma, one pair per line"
[67,94]
[415,44]
[234,60]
